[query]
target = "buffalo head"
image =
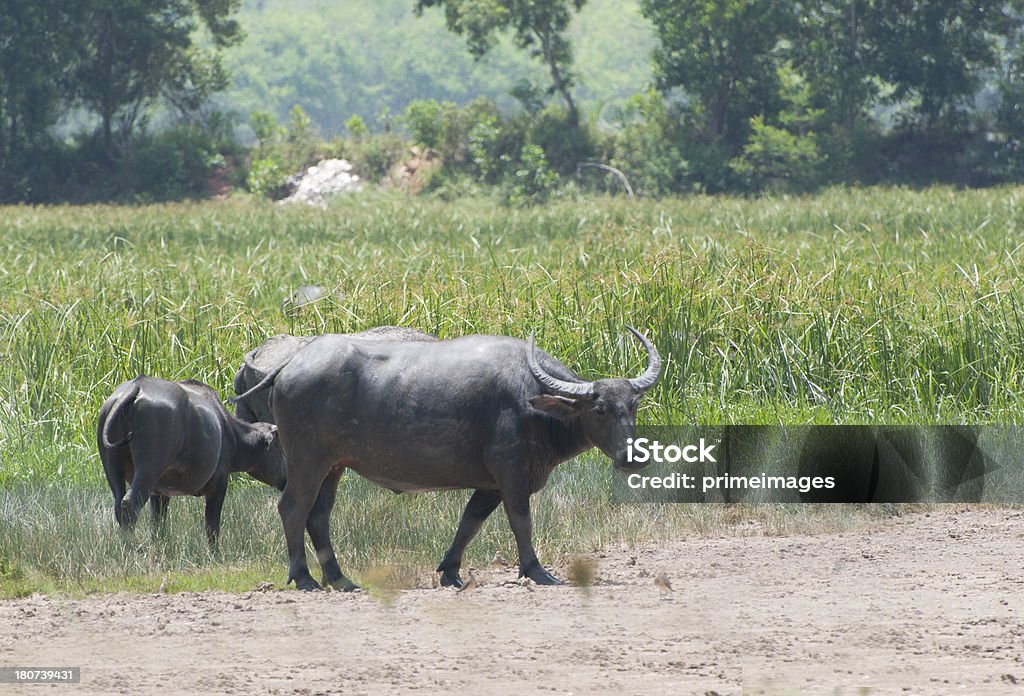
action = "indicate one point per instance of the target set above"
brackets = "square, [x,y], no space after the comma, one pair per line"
[266,460]
[605,409]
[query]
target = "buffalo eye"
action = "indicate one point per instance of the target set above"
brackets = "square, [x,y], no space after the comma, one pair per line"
[599,408]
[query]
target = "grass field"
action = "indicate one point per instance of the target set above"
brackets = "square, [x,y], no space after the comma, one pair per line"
[852,306]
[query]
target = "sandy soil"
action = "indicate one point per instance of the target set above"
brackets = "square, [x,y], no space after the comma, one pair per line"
[922,604]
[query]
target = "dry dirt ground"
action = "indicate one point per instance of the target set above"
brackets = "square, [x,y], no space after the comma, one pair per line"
[919,604]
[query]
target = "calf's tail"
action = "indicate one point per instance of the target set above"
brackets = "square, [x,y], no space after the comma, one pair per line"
[115,411]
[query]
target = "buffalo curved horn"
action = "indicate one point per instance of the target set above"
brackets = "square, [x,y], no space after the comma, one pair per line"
[648,378]
[553,384]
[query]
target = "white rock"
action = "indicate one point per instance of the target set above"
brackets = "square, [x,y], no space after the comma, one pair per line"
[323,181]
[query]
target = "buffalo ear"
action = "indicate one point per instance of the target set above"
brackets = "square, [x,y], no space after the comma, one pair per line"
[558,406]
[269,435]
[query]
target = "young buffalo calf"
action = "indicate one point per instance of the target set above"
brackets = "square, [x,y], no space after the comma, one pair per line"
[176,438]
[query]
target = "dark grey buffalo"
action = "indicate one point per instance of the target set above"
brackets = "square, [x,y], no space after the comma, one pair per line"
[278,350]
[490,413]
[176,438]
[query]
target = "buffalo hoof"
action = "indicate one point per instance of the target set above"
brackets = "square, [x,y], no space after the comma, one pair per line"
[535,571]
[450,578]
[343,584]
[307,584]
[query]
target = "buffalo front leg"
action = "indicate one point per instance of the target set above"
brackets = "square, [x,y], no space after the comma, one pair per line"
[214,505]
[481,504]
[517,507]
[318,525]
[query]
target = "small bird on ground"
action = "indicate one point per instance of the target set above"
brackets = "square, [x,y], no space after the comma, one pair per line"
[163,587]
[498,561]
[663,584]
[470,584]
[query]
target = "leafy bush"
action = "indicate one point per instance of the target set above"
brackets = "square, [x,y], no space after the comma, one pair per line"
[172,164]
[281,152]
[356,127]
[267,176]
[425,119]
[375,157]
[564,146]
[646,147]
[532,181]
[776,160]
[485,148]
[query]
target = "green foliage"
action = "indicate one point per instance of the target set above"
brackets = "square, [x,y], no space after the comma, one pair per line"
[109,60]
[281,152]
[425,119]
[564,144]
[486,148]
[375,157]
[266,176]
[356,127]
[266,128]
[36,52]
[130,51]
[881,91]
[337,59]
[537,26]
[302,141]
[933,53]
[775,160]
[723,54]
[171,164]
[532,181]
[647,145]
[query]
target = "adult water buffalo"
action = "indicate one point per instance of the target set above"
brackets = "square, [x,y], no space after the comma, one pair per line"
[490,413]
[176,438]
[278,350]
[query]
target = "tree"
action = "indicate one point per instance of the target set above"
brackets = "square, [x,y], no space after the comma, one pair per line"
[537,26]
[134,50]
[35,50]
[934,52]
[724,55]
[828,48]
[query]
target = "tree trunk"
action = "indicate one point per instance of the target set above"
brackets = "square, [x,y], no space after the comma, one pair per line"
[559,81]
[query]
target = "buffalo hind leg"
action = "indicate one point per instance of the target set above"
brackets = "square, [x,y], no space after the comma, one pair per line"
[517,507]
[138,493]
[115,467]
[481,504]
[300,494]
[318,524]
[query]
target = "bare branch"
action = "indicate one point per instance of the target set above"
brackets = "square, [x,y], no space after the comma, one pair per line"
[613,170]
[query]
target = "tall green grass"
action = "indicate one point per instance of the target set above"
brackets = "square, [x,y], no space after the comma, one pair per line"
[852,306]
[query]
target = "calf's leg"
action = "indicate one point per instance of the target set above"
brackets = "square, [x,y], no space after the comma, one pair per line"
[481,504]
[214,505]
[158,505]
